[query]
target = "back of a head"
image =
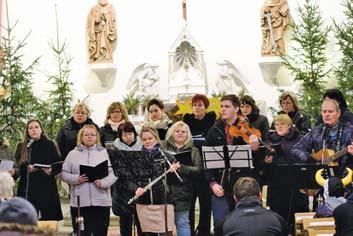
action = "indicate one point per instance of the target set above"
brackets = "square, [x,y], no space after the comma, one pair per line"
[18,210]
[246,187]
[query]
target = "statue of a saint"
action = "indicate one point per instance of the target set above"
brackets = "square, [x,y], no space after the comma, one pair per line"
[102,33]
[275,20]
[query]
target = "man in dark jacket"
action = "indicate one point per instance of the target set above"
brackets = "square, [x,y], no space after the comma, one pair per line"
[249,217]
[343,215]
[332,134]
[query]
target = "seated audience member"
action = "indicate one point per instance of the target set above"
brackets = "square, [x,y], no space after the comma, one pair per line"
[7,185]
[343,215]
[250,217]
[6,154]
[346,114]
[18,210]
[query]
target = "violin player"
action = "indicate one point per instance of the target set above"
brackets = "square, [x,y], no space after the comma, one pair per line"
[220,134]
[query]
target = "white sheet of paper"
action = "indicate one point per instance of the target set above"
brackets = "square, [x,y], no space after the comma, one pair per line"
[6,164]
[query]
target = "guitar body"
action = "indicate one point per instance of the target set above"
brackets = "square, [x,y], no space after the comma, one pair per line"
[325,155]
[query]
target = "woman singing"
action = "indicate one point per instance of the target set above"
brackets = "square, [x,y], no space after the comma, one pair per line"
[178,140]
[36,184]
[157,118]
[95,197]
[127,140]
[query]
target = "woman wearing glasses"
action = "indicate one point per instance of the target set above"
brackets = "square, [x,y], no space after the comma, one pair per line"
[116,114]
[66,136]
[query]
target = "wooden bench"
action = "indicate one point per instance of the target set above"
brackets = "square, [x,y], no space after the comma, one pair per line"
[298,219]
[318,224]
[321,232]
[49,224]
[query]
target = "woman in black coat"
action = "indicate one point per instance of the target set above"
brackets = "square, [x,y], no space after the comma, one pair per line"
[38,185]
[116,114]
[67,135]
[281,197]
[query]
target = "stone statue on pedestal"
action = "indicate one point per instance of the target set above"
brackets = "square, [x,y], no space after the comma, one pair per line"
[102,32]
[275,20]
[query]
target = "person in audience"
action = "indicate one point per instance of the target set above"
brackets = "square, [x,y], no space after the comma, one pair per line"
[94,194]
[283,198]
[67,134]
[334,195]
[220,134]
[127,140]
[156,118]
[6,154]
[200,121]
[343,215]
[18,210]
[178,139]
[7,185]
[38,184]
[346,114]
[116,114]
[332,134]
[155,195]
[249,216]
[290,106]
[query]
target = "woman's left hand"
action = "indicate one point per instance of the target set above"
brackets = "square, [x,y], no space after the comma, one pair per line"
[97,182]
[175,166]
[254,142]
[47,170]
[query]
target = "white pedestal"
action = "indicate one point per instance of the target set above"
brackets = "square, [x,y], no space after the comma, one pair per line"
[274,72]
[100,77]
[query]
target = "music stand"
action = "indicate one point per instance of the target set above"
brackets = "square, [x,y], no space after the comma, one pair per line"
[227,156]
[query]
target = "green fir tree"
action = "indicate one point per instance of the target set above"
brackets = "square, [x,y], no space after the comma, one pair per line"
[21,104]
[307,60]
[344,35]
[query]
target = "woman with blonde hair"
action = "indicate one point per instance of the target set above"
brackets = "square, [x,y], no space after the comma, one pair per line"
[95,197]
[290,106]
[66,136]
[116,114]
[282,198]
[38,184]
[178,139]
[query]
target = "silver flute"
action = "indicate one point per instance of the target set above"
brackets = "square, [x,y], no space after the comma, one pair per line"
[148,186]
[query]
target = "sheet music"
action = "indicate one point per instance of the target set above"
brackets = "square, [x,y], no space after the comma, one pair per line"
[239,156]
[6,165]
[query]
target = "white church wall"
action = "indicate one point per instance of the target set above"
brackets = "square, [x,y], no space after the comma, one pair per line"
[224,29]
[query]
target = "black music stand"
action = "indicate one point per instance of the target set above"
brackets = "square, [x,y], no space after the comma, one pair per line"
[227,156]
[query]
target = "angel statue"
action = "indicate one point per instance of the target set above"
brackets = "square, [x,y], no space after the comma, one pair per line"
[143,80]
[101,32]
[230,80]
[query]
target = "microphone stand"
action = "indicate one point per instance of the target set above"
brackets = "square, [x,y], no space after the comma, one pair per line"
[79,219]
[29,146]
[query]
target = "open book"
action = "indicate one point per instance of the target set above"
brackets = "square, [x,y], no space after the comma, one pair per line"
[183,157]
[6,164]
[95,172]
[57,164]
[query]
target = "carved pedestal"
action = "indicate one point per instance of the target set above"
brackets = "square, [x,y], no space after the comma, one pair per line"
[274,72]
[100,77]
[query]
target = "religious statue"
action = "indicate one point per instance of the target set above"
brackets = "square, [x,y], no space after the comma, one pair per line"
[230,80]
[102,32]
[143,80]
[275,20]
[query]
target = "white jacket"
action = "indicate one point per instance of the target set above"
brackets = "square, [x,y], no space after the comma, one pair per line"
[90,195]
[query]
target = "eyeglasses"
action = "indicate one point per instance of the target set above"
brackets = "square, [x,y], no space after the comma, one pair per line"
[90,134]
[80,113]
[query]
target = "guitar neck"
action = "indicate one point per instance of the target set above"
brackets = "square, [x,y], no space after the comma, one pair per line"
[338,154]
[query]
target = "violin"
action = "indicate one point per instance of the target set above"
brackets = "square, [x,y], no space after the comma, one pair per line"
[242,129]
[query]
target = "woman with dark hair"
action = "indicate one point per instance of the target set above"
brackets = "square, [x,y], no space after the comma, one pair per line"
[116,114]
[156,117]
[127,140]
[346,115]
[38,185]
[67,135]
[200,121]
[290,106]
[251,111]
[95,196]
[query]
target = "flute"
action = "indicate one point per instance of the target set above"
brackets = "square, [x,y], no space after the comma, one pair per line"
[150,185]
